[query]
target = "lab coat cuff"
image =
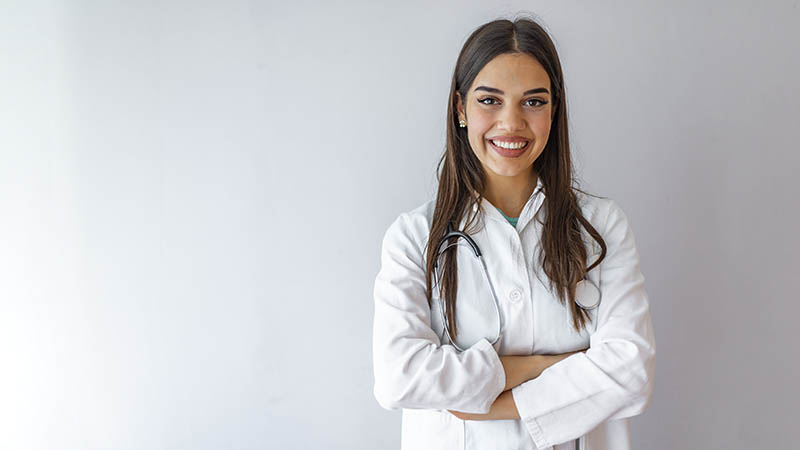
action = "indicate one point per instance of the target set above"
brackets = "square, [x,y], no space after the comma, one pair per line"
[553,406]
[529,420]
[497,377]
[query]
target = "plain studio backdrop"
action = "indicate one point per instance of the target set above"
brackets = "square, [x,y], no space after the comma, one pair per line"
[193,196]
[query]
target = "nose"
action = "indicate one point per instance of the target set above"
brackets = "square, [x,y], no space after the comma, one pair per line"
[511,119]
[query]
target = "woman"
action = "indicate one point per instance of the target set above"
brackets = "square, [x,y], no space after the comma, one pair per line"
[550,368]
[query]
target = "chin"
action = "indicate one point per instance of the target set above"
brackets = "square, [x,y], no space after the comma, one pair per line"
[508,171]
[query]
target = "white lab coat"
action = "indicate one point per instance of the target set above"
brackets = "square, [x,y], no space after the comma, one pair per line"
[587,395]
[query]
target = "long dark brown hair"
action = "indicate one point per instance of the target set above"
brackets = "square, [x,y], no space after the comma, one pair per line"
[462,179]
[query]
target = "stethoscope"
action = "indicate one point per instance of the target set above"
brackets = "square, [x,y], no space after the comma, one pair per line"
[587,293]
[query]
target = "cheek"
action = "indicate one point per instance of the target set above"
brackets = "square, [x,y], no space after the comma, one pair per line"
[479,124]
[541,125]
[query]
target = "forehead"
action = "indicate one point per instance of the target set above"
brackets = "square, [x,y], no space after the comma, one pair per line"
[513,73]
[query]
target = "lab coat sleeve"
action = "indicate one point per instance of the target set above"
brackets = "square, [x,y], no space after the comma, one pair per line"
[412,369]
[614,378]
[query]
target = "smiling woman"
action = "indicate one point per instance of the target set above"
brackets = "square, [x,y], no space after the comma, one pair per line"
[483,336]
[508,128]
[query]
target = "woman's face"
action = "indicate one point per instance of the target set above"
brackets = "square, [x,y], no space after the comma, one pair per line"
[508,105]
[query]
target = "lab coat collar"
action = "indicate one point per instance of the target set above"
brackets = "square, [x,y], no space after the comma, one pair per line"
[533,204]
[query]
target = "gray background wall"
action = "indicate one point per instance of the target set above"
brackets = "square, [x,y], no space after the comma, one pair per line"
[193,196]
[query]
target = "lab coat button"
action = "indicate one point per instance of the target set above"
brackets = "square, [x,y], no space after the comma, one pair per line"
[515,295]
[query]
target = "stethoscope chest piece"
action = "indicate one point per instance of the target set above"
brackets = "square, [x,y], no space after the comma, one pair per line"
[587,294]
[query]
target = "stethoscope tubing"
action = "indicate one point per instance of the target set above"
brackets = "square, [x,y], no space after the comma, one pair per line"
[582,286]
[477,252]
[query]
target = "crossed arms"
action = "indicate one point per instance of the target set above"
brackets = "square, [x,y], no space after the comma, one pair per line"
[518,369]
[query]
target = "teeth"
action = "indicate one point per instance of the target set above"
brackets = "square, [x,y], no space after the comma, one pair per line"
[511,145]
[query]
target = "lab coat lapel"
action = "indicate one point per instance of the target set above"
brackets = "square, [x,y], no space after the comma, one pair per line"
[535,201]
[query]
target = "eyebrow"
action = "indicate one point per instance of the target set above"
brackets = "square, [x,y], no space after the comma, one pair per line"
[498,91]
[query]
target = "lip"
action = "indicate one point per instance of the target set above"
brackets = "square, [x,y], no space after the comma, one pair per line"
[509,138]
[507,152]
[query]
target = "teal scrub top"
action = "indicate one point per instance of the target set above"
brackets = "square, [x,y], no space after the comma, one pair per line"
[511,220]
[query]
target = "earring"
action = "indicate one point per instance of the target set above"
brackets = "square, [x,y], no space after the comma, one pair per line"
[462,123]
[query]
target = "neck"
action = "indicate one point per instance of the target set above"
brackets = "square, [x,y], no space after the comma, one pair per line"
[510,193]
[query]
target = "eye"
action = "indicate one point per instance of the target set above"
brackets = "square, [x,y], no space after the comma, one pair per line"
[541,102]
[482,100]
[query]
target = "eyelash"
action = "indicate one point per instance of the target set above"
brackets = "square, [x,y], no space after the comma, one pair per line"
[542,102]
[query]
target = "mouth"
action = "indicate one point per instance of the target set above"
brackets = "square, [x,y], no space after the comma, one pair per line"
[509,149]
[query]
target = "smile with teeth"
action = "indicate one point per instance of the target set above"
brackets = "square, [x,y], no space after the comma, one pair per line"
[509,145]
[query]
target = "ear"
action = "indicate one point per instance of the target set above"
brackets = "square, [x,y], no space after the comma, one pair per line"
[460,107]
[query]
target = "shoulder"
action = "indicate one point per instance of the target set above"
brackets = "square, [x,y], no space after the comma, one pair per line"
[605,215]
[411,228]
[598,209]
[422,215]
[612,223]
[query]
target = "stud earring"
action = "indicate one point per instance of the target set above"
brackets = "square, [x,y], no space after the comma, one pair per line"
[462,123]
